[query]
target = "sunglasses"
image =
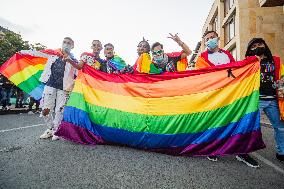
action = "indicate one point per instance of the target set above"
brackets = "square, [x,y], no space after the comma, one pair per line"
[159,52]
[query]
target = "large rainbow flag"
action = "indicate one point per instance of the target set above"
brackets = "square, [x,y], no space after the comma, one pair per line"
[199,112]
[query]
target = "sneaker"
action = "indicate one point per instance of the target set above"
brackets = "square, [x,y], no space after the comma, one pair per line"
[54,137]
[47,134]
[30,113]
[212,158]
[280,157]
[248,160]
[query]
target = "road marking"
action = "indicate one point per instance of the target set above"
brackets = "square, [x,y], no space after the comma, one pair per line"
[19,128]
[267,162]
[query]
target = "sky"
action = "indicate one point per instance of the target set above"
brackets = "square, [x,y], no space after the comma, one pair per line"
[121,22]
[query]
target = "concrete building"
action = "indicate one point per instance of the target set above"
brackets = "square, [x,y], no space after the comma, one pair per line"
[238,21]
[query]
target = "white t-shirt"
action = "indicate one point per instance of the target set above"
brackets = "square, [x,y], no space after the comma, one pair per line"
[218,58]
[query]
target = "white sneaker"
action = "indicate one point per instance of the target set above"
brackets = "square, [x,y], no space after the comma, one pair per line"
[47,134]
[212,158]
[54,137]
[30,113]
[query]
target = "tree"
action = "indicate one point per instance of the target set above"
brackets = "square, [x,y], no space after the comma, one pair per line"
[12,43]
[37,46]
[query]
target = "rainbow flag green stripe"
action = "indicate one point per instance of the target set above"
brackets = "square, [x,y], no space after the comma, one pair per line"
[170,124]
[30,84]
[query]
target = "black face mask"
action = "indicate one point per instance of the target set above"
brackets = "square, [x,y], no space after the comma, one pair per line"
[257,51]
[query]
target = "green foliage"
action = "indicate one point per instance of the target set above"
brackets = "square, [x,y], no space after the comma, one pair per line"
[12,43]
[37,46]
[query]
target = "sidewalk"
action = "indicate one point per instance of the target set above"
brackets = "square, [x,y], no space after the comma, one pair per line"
[14,110]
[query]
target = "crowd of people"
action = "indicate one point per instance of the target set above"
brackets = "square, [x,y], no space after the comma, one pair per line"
[59,77]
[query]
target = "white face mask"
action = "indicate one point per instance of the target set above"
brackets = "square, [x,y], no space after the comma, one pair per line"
[66,47]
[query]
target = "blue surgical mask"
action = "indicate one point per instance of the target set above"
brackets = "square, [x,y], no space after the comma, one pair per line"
[66,47]
[159,59]
[212,43]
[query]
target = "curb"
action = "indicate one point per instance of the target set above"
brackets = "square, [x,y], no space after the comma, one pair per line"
[13,111]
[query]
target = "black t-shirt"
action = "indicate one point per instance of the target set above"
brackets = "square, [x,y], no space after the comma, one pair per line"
[174,61]
[267,78]
[105,67]
[57,74]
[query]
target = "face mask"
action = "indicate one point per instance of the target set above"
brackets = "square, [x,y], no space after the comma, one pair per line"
[159,59]
[212,43]
[66,47]
[257,51]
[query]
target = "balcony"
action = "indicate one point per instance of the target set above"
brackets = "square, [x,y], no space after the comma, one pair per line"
[271,3]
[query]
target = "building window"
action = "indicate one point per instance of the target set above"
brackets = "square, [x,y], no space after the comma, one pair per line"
[215,23]
[234,52]
[228,5]
[230,29]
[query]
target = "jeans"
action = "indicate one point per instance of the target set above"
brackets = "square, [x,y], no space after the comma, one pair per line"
[271,109]
[54,100]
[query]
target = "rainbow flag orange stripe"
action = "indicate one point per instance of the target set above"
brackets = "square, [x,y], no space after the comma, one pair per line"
[199,112]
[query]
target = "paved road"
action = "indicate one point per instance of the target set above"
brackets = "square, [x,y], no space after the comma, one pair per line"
[28,162]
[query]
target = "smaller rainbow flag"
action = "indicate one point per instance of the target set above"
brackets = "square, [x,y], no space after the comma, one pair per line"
[25,68]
